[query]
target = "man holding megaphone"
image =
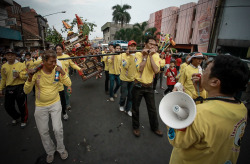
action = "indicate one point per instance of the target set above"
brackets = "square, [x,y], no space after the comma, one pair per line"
[218,128]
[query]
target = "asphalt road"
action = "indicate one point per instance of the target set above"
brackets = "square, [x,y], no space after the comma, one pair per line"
[96,133]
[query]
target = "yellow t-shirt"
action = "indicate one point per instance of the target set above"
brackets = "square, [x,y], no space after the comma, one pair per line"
[128,67]
[47,89]
[68,63]
[213,137]
[147,75]
[162,62]
[7,74]
[185,80]
[37,62]
[115,65]
[182,67]
[105,59]
[29,64]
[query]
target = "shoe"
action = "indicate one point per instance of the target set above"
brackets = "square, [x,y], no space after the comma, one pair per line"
[14,122]
[68,108]
[136,132]
[111,99]
[129,113]
[156,92]
[23,125]
[162,88]
[64,155]
[158,132]
[115,95]
[50,158]
[121,108]
[65,117]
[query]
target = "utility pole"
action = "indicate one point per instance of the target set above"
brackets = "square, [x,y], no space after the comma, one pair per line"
[20,17]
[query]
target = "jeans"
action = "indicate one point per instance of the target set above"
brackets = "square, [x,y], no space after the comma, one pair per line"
[148,94]
[114,78]
[106,81]
[126,93]
[155,80]
[66,96]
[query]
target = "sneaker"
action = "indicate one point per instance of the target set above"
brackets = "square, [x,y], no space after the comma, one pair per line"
[156,92]
[111,99]
[68,108]
[23,125]
[65,117]
[115,95]
[50,158]
[64,155]
[121,108]
[14,122]
[129,113]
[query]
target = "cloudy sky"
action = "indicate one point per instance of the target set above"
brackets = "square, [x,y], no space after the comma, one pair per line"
[96,11]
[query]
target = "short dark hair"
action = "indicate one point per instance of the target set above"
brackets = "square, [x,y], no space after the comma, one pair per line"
[4,59]
[149,37]
[231,71]
[60,45]
[27,54]
[111,44]
[48,54]
[116,45]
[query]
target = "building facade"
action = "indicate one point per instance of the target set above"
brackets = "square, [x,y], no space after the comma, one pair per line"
[189,25]
[109,29]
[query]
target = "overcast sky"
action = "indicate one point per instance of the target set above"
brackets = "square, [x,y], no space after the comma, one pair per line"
[96,11]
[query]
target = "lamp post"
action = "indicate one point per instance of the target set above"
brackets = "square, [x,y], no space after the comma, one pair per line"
[41,30]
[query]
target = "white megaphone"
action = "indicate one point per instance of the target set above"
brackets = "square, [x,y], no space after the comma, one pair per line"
[177,110]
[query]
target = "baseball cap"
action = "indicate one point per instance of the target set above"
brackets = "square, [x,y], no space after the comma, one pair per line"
[131,42]
[196,55]
[10,51]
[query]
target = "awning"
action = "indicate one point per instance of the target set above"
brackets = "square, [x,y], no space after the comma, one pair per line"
[8,33]
[209,54]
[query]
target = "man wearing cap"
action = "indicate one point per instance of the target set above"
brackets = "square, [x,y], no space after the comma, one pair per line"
[114,72]
[147,64]
[13,78]
[186,75]
[127,77]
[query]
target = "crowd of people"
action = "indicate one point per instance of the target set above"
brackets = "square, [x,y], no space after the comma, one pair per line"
[212,80]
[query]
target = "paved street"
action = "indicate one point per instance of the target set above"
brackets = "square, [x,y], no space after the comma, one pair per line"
[96,133]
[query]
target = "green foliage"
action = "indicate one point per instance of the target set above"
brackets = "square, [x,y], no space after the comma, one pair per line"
[86,28]
[120,15]
[53,36]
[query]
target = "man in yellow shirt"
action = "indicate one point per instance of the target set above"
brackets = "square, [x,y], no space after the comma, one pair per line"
[218,128]
[183,66]
[147,64]
[114,72]
[64,91]
[186,75]
[48,103]
[106,68]
[29,62]
[127,77]
[13,78]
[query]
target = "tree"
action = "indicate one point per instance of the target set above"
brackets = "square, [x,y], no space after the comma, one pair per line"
[86,28]
[120,15]
[121,34]
[140,31]
[53,36]
[151,31]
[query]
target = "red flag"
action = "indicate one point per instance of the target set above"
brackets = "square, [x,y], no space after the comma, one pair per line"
[79,20]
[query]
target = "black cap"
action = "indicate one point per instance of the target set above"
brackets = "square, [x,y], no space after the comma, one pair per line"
[10,51]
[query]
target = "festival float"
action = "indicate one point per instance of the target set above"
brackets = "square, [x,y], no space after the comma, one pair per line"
[77,46]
